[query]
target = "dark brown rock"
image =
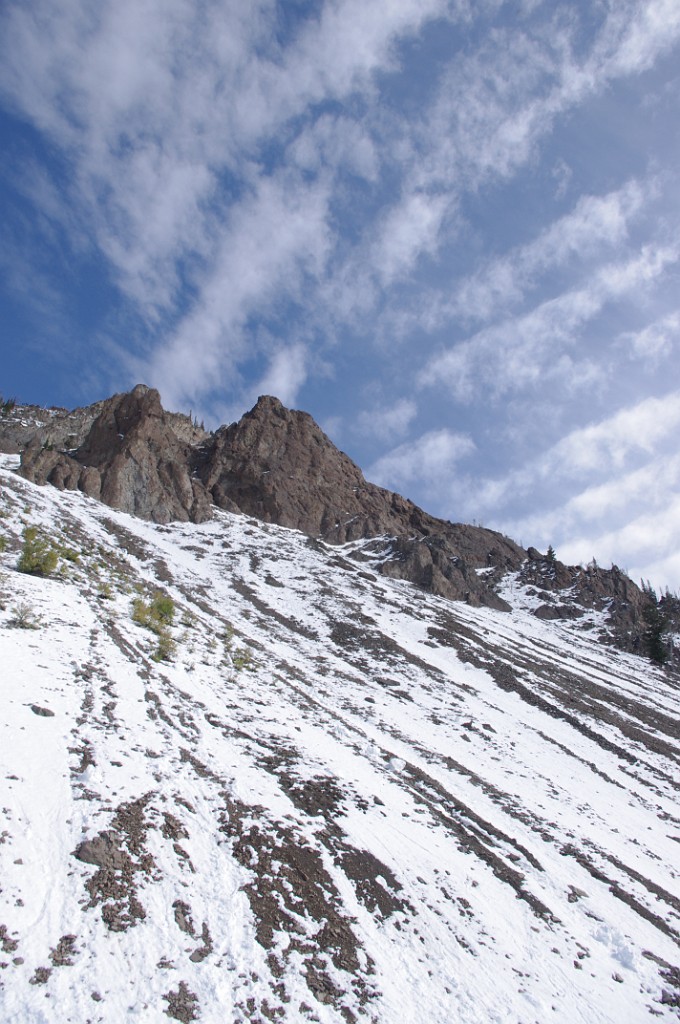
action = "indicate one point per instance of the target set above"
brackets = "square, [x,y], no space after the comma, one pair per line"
[131,459]
[277,464]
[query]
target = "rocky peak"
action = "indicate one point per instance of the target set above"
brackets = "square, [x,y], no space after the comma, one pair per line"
[277,464]
[131,459]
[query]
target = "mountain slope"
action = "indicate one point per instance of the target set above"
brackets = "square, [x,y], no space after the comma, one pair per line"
[342,798]
[278,465]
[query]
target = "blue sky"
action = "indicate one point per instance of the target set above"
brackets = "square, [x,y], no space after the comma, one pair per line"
[448,230]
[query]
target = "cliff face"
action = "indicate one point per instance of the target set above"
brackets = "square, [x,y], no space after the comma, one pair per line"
[277,465]
[131,458]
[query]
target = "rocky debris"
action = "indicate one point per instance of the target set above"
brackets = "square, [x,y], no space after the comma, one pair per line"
[291,893]
[7,943]
[183,917]
[204,950]
[42,712]
[567,592]
[41,976]
[119,855]
[66,430]
[103,851]
[182,1004]
[52,428]
[64,952]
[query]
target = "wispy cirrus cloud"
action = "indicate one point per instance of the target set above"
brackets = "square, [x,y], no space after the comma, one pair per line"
[534,347]
[386,423]
[656,341]
[608,489]
[450,229]
[424,460]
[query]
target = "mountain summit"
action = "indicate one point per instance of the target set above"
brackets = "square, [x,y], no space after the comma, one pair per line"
[277,465]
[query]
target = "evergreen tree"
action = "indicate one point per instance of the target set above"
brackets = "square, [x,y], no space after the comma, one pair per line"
[656,627]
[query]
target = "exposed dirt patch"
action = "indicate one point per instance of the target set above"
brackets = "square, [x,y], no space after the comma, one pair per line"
[41,976]
[182,1004]
[120,856]
[64,952]
[291,889]
[183,918]
[7,944]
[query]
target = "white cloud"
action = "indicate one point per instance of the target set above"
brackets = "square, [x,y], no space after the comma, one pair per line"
[429,460]
[656,341]
[336,142]
[188,94]
[531,348]
[604,456]
[286,374]
[385,423]
[409,230]
[562,173]
[646,546]
[250,268]
[609,490]
[500,100]
[606,446]
[595,224]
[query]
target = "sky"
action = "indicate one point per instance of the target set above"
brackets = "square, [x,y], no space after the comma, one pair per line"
[448,230]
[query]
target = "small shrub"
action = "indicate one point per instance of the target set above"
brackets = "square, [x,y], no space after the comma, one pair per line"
[3,545]
[38,556]
[165,649]
[242,659]
[157,615]
[163,608]
[70,554]
[24,616]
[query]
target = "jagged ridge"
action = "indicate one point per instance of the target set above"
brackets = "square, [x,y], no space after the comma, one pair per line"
[277,464]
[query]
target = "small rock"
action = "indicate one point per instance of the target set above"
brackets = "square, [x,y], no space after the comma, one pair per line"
[43,712]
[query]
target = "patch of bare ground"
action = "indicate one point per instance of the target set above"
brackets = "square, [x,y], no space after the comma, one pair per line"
[64,952]
[119,855]
[375,884]
[289,891]
[182,1004]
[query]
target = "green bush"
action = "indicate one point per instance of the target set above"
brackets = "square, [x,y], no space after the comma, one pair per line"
[3,545]
[24,616]
[38,556]
[154,614]
[163,608]
[70,554]
[242,659]
[165,649]
[157,614]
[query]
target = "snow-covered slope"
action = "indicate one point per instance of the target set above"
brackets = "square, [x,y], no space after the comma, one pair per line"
[342,799]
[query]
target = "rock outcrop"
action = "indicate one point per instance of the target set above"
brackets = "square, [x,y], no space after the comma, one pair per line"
[131,459]
[277,465]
